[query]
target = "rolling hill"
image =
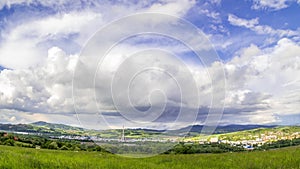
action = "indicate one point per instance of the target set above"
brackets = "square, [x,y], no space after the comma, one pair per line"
[42,127]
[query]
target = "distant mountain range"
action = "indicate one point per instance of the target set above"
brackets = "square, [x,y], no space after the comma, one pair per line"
[59,129]
[227,128]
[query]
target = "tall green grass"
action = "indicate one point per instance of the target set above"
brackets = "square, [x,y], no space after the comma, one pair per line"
[18,158]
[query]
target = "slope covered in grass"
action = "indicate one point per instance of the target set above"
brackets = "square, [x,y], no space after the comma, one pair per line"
[13,157]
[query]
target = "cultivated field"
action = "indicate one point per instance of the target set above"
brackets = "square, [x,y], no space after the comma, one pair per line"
[15,157]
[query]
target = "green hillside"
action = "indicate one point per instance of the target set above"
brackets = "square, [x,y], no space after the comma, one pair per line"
[281,132]
[15,158]
[43,128]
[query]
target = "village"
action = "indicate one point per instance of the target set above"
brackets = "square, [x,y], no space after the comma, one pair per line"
[250,141]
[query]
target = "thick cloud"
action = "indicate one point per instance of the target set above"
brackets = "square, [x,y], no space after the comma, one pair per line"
[268,78]
[262,82]
[263,85]
[42,89]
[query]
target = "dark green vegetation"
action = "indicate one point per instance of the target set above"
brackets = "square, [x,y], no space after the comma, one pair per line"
[279,144]
[184,148]
[43,142]
[24,158]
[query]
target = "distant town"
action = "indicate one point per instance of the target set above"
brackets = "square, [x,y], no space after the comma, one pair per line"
[248,139]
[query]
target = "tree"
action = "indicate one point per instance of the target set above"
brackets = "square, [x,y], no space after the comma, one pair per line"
[53,145]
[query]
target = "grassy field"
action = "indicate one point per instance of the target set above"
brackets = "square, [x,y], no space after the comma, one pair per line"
[14,157]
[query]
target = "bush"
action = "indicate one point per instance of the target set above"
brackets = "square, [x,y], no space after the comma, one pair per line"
[9,142]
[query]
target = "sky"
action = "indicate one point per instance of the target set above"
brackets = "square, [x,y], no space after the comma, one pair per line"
[251,75]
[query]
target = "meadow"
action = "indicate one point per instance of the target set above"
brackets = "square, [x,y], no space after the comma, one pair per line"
[18,158]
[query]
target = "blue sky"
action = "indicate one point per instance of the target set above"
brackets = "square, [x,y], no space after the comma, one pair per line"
[257,41]
[200,14]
